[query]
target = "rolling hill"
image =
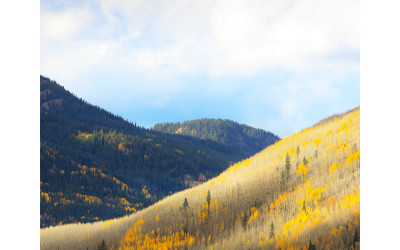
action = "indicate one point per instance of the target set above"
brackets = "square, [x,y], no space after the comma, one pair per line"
[241,137]
[303,192]
[95,165]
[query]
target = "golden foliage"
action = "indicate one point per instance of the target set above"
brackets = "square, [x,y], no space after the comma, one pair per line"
[350,201]
[254,214]
[202,177]
[353,157]
[301,169]
[46,196]
[134,239]
[124,202]
[89,199]
[146,193]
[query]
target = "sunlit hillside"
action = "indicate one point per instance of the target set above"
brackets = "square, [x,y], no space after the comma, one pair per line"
[302,192]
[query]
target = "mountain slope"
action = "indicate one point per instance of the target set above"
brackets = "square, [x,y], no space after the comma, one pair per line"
[96,166]
[301,192]
[241,137]
[54,98]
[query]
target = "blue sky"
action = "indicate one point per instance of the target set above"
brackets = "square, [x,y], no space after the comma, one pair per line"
[277,65]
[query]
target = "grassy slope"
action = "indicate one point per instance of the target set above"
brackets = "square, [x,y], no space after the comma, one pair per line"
[318,202]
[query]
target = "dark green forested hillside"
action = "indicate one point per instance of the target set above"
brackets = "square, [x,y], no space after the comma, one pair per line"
[95,165]
[239,136]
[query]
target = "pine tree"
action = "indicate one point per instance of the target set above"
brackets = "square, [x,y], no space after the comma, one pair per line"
[311,246]
[208,200]
[287,165]
[271,230]
[305,162]
[185,204]
[102,246]
[356,237]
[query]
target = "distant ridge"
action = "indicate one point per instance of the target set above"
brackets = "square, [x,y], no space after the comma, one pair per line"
[241,137]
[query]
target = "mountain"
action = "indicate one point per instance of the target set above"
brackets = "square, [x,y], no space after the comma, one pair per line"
[241,137]
[95,165]
[303,192]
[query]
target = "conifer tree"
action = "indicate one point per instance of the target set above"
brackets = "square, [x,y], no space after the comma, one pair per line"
[102,246]
[305,162]
[271,230]
[185,204]
[208,199]
[287,165]
[356,237]
[311,246]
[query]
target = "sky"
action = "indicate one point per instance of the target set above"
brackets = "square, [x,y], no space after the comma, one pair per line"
[278,65]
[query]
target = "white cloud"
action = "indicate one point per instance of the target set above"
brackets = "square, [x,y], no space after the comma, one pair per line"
[218,37]
[61,25]
[286,34]
[70,60]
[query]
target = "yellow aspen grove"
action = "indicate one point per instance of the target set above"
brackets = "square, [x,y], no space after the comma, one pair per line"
[301,169]
[332,168]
